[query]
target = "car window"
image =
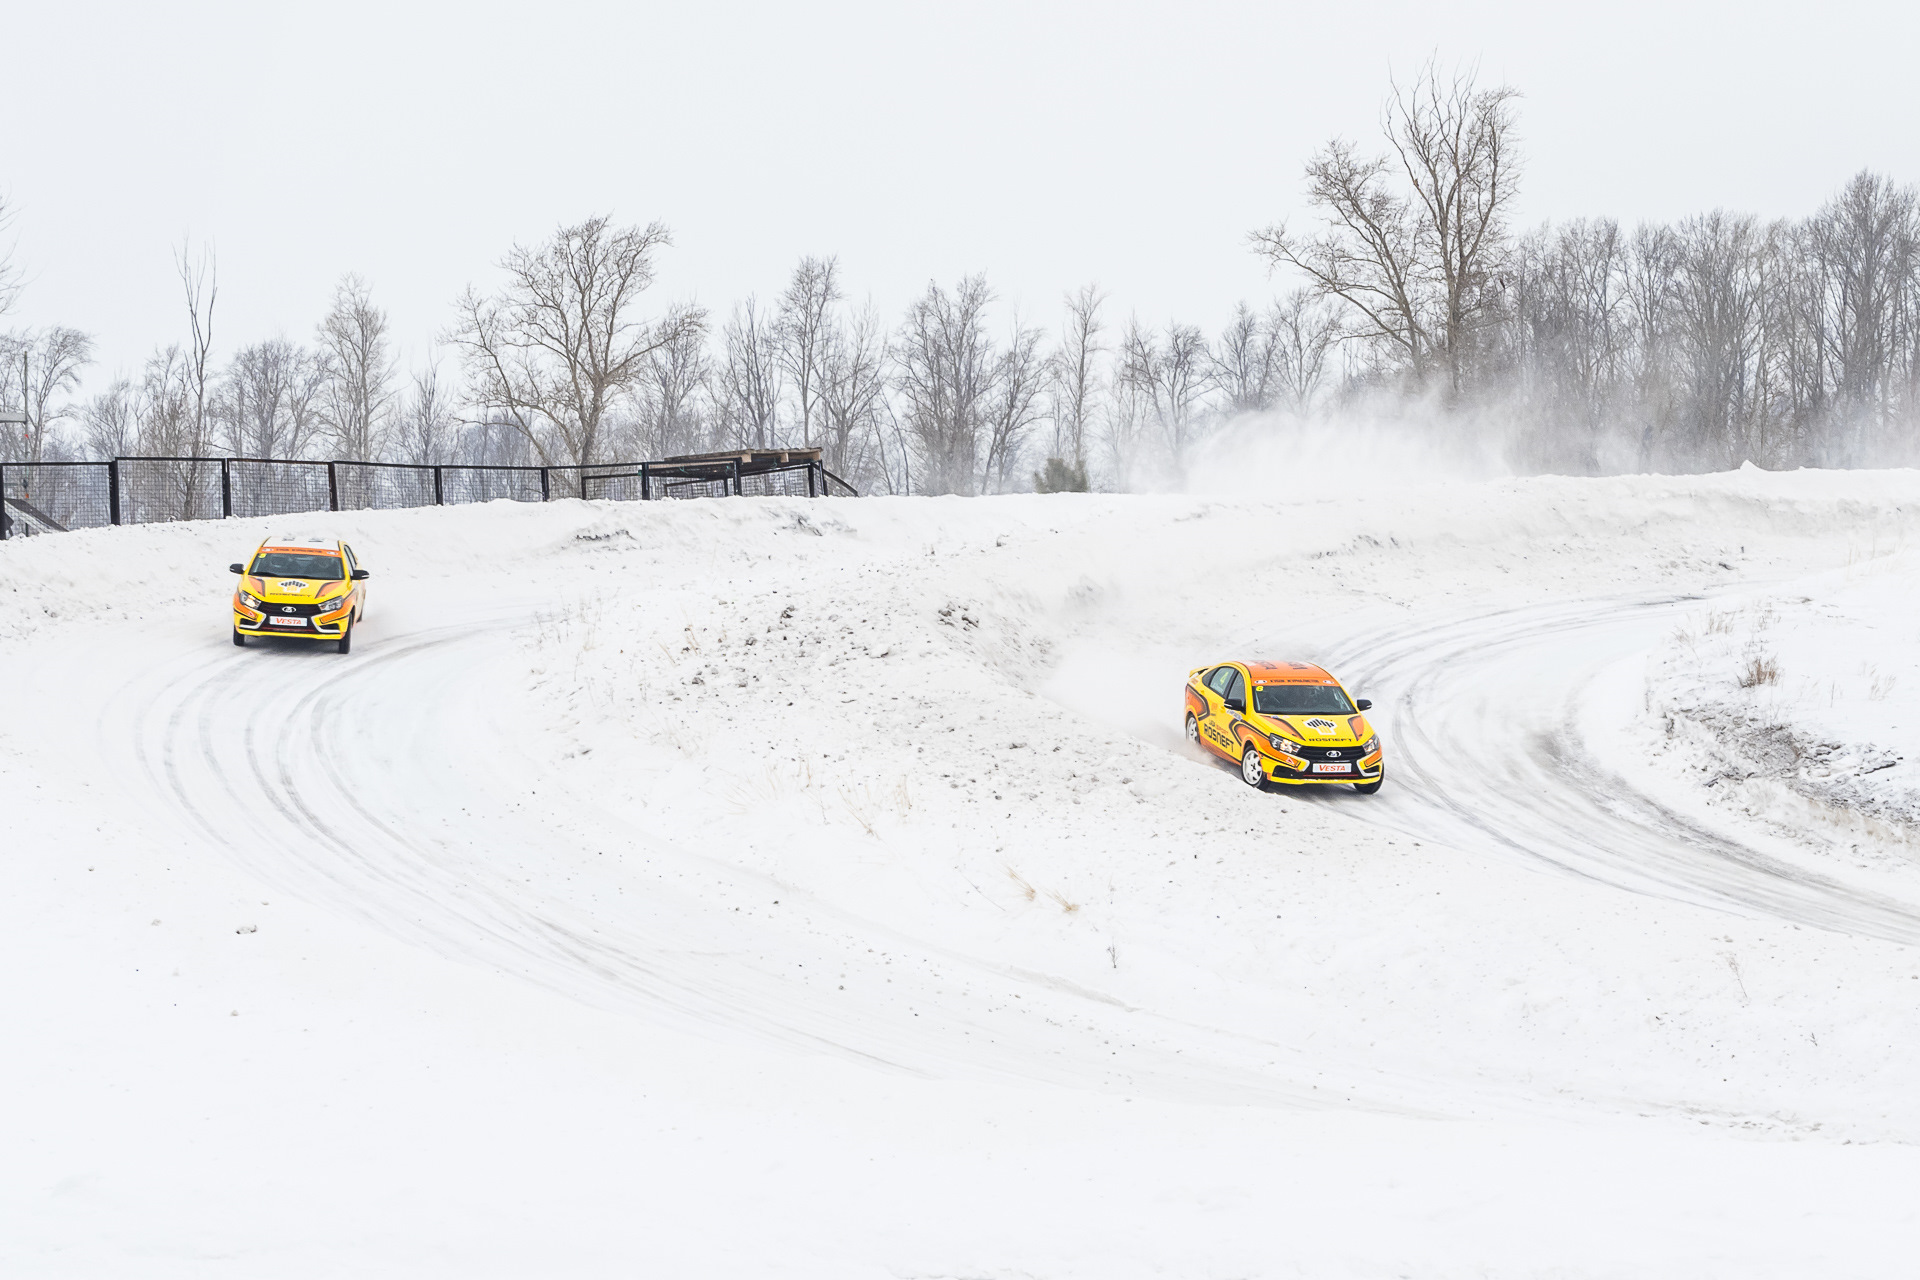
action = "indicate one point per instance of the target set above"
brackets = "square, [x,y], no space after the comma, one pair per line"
[1217,679]
[352,563]
[1301,700]
[1237,688]
[297,564]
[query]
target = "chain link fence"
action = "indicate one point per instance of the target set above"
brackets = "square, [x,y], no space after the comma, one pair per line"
[53,497]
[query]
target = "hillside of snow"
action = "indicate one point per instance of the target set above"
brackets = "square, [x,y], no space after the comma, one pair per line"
[771,887]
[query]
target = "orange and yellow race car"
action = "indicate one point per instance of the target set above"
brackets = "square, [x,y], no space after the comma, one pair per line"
[305,588]
[1288,722]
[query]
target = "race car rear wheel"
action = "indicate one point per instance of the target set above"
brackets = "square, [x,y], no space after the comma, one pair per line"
[238,638]
[1193,730]
[1252,772]
[1368,788]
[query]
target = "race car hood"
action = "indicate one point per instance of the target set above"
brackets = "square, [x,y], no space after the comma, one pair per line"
[287,590]
[1332,731]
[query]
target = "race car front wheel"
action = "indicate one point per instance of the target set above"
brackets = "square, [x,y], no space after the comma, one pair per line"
[346,638]
[1252,772]
[238,638]
[1368,788]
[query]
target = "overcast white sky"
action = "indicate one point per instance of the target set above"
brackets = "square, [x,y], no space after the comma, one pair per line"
[1049,145]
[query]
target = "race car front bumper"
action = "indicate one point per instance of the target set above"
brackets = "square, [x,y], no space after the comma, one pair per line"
[298,626]
[1320,765]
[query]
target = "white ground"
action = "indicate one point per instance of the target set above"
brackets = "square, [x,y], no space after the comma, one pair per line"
[771,888]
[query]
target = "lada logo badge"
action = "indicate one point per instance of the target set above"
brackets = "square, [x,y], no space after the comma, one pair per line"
[286,608]
[1333,755]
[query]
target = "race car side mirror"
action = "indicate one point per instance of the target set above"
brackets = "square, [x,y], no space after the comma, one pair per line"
[1236,704]
[359,574]
[1365,704]
[236,568]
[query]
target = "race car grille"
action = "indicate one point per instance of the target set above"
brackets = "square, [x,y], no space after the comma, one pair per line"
[1328,753]
[296,610]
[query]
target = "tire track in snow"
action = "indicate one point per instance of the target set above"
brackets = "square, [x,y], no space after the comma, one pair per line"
[1486,750]
[380,792]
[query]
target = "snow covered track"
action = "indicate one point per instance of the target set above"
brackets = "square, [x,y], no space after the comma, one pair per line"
[1491,753]
[390,790]
[764,887]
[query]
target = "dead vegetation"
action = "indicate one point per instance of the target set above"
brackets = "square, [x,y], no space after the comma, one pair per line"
[1761,669]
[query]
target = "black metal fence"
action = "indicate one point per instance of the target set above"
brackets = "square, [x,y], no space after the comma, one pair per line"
[53,497]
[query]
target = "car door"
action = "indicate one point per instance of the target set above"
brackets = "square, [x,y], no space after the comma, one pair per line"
[360,605]
[1213,727]
[1233,707]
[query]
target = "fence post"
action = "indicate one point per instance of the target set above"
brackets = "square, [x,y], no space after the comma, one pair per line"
[113,490]
[439,497]
[646,487]
[543,485]
[5,520]
[733,464]
[226,491]
[583,484]
[333,488]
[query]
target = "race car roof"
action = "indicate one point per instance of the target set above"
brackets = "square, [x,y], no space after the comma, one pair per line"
[1289,673]
[287,542]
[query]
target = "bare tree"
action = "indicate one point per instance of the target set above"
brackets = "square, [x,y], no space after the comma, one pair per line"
[1170,377]
[36,370]
[748,380]
[1866,243]
[1076,378]
[1417,266]
[426,427]
[200,278]
[559,345]
[1303,331]
[9,270]
[358,363]
[1015,403]
[110,423]
[269,404]
[1718,310]
[1246,365]
[805,327]
[945,369]
[673,398]
[853,399]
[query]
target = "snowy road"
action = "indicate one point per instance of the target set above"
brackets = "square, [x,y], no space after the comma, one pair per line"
[1494,719]
[390,789]
[769,888]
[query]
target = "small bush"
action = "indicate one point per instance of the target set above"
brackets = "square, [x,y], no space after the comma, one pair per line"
[1061,476]
[1760,669]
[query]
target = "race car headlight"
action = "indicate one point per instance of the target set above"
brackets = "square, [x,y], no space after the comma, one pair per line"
[248,599]
[333,606]
[1284,744]
[1373,745]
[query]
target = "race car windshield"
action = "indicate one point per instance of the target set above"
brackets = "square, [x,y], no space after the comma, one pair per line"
[1301,700]
[292,564]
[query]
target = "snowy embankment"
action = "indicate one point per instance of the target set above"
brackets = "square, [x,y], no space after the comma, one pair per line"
[1801,706]
[770,887]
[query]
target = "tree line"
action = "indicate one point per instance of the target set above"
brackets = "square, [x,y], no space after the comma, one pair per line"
[1583,347]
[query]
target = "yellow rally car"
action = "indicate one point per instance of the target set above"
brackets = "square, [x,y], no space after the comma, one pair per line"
[304,588]
[1287,722]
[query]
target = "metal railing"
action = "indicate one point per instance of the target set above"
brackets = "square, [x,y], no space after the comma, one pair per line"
[53,497]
